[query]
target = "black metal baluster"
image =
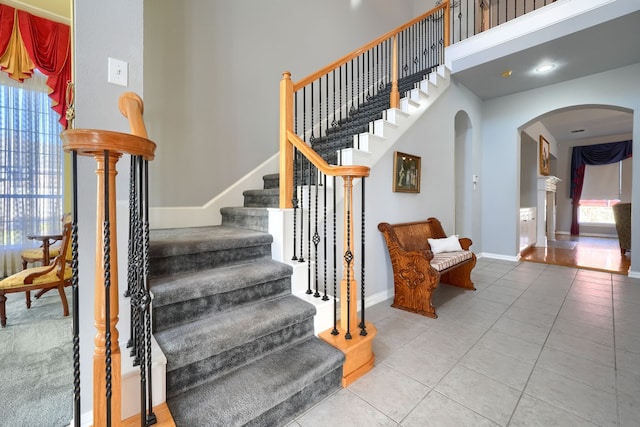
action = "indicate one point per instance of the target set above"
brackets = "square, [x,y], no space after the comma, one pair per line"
[131,253]
[294,202]
[316,235]
[348,254]
[363,326]
[302,168]
[334,331]
[324,230]
[309,185]
[309,178]
[151,417]
[137,295]
[75,292]
[106,239]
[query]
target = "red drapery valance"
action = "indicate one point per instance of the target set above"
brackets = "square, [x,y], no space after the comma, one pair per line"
[48,45]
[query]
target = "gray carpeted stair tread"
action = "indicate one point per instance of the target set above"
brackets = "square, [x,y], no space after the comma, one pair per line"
[190,342]
[203,283]
[262,192]
[251,218]
[241,398]
[248,211]
[180,241]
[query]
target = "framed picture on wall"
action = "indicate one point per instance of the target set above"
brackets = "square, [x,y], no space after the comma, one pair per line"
[544,156]
[406,173]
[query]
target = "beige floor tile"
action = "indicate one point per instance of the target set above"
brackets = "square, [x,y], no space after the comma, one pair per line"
[582,347]
[511,346]
[578,398]
[374,389]
[344,409]
[437,410]
[595,374]
[504,369]
[532,412]
[484,395]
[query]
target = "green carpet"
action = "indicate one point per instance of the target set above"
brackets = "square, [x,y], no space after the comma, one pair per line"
[36,363]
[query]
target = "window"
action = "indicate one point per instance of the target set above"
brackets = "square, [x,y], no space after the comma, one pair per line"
[31,162]
[604,186]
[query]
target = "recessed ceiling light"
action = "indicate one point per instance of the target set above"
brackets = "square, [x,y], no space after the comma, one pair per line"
[545,68]
[506,73]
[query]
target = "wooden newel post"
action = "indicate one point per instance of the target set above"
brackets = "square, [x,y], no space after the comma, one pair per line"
[357,348]
[106,271]
[348,286]
[286,149]
[394,100]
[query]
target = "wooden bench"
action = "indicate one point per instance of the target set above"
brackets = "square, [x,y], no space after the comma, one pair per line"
[417,270]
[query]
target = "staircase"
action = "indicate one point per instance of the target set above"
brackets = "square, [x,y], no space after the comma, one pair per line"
[240,348]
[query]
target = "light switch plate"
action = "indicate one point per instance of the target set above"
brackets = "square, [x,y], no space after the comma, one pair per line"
[118,72]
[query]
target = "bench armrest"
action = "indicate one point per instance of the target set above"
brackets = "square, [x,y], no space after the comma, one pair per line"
[466,243]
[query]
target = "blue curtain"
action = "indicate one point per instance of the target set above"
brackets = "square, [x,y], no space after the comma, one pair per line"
[596,154]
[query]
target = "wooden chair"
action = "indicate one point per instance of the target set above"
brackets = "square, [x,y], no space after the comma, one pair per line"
[45,252]
[54,276]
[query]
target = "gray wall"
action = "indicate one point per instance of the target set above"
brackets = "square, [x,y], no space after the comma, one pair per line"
[212,74]
[101,30]
[501,141]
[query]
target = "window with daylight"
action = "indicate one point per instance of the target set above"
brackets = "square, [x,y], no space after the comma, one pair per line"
[604,186]
[31,163]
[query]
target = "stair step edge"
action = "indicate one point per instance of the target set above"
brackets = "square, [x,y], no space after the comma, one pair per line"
[172,242]
[218,332]
[301,364]
[171,289]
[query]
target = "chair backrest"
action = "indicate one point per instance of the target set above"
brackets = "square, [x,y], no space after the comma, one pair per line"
[65,250]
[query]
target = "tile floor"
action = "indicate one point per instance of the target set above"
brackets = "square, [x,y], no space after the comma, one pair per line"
[535,345]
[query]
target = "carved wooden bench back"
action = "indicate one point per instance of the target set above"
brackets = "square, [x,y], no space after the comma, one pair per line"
[412,236]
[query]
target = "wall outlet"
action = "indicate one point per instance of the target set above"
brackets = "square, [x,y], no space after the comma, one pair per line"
[118,72]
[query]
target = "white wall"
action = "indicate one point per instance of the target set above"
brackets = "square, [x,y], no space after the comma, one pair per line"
[503,116]
[101,30]
[212,75]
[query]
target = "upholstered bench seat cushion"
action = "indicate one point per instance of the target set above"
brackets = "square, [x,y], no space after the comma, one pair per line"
[17,280]
[444,260]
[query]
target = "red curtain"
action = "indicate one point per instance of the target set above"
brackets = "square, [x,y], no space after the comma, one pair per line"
[577,182]
[48,44]
[7,15]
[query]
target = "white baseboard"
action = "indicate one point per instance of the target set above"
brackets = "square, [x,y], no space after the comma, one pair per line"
[209,213]
[498,256]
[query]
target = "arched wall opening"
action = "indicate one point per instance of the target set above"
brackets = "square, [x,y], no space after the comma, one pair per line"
[563,129]
[465,179]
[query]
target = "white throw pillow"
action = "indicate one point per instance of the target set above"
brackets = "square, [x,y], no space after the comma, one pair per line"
[447,244]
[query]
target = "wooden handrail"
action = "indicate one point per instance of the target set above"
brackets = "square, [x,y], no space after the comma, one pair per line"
[348,57]
[132,107]
[353,171]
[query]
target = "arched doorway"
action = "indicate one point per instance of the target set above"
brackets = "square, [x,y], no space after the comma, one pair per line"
[465,179]
[579,125]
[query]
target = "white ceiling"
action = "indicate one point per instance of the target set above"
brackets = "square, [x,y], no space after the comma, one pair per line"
[594,49]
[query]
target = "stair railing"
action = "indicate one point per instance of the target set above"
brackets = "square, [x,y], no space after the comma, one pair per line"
[312,113]
[471,17]
[106,148]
